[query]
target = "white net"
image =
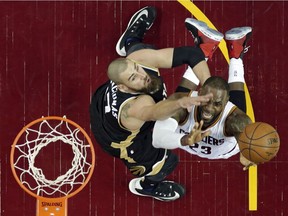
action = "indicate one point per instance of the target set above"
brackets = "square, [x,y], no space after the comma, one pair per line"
[56,134]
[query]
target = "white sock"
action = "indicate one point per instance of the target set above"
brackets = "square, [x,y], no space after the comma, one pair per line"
[190,75]
[236,71]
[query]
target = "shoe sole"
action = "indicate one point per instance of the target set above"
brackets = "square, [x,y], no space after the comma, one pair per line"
[202,27]
[133,19]
[237,33]
[132,186]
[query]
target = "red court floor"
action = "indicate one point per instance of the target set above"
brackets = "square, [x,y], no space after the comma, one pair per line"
[54,54]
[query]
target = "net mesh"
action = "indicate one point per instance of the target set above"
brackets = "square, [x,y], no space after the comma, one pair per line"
[36,140]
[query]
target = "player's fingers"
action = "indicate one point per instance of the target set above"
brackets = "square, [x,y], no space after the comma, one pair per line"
[189,109]
[201,124]
[205,98]
[247,167]
[209,96]
[196,126]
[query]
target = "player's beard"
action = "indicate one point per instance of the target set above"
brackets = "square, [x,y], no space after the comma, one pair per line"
[207,121]
[154,86]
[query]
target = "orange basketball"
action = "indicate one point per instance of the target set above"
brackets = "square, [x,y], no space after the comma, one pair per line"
[259,142]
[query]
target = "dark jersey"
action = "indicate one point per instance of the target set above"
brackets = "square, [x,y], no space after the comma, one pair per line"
[133,147]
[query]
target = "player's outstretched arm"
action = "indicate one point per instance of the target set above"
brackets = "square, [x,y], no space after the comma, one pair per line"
[236,122]
[165,135]
[136,112]
[235,125]
[145,109]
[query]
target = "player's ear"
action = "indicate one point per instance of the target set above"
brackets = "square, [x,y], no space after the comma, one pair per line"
[228,97]
[122,87]
[200,91]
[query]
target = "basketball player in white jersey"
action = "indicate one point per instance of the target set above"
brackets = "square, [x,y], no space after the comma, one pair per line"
[218,123]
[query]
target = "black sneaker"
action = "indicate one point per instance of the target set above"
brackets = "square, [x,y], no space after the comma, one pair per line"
[164,191]
[139,23]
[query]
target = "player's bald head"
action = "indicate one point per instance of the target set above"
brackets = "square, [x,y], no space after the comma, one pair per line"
[115,68]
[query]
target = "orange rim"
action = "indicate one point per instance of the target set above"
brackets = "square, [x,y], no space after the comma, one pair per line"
[35,122]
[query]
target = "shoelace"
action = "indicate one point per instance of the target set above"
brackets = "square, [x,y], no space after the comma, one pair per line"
[165,192]
[245,50]
[139,23]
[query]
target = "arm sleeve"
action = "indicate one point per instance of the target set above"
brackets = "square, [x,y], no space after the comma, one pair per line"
[165,135]
[238,98]
[187,55]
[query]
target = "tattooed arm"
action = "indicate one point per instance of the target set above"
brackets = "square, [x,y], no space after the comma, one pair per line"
[235,124]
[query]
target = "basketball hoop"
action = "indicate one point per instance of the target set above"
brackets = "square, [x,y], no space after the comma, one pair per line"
[52,159]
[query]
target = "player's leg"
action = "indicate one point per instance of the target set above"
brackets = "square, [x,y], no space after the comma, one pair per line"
[236,39]
[155,185]
[131,39]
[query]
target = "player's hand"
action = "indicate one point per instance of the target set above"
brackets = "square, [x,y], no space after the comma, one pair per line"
[196,135]
[188,102]
[246,163]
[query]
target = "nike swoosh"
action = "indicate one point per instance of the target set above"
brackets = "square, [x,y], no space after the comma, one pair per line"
[176,196]
[145,12]
[121,51]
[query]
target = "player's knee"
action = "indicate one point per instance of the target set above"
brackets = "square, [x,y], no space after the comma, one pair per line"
[139,46]
[169,165]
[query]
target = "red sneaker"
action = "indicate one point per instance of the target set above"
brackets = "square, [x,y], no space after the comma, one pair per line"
[236,39]
[204,37]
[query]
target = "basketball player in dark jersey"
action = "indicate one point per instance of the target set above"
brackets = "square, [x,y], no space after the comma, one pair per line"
[124,109]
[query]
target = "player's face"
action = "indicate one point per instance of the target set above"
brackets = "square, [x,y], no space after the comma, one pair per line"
[210,111]
[138,81]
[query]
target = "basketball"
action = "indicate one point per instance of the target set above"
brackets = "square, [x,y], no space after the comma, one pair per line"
[259,142]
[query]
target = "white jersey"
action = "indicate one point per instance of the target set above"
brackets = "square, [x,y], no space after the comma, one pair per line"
[216,145]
